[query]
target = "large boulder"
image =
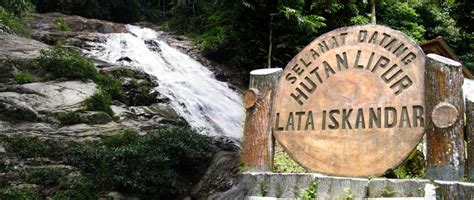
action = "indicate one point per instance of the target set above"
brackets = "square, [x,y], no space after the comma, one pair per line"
[23,103]
[16,47]
[221,175]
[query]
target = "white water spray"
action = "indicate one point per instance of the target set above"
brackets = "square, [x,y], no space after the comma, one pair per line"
[194,93]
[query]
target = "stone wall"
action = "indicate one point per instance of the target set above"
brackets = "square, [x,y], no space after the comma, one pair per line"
[326,187]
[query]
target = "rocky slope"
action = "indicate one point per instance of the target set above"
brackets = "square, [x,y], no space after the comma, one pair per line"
[47,108]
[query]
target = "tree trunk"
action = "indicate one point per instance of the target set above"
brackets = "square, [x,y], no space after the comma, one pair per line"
[470,138]
[444,116]
[258,140]
[307,6]
[270,39]
[372,8]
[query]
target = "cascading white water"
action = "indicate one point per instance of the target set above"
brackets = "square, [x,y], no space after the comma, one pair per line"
[194,93]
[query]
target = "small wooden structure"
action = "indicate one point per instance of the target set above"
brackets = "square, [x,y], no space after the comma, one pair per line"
[440,47]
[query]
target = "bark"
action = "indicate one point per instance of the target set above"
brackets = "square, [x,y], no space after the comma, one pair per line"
[444,115]
[470,138]
[258,142]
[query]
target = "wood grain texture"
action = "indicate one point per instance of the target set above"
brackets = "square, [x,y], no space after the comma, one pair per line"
[445,144]
[257,153]
[351,72]
[470,138]
[250,98]
[444,115]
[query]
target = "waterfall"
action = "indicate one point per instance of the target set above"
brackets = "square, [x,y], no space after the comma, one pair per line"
[205,103]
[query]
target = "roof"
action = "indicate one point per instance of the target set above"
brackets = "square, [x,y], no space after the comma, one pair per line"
[440,47]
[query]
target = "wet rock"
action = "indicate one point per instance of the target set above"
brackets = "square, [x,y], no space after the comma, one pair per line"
[115,196]
[48,21]
[56,95]
[52,37]
[16,47]
[95,117]
[14,110]
[2,149]
[126,59]
[153,45]
[221,175]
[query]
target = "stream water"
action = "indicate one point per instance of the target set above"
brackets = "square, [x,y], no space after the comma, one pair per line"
[204,102]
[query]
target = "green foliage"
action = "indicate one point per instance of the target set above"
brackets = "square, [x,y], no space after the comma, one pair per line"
[110,86]
[283,163]
[468,60]
[238,32]
[66,63]
[263,189]
[140,93]
[70,64]
[62,25]
[348,195]
[17,7]
[22,77]
[413,167]
[122,72]
[310,22]
[360,19]
[28,147]
[159,165]
[99,102]
[311,192]
[18,194]
[11,23]
[117,10]
[404,18]
[75,187]
[43,176]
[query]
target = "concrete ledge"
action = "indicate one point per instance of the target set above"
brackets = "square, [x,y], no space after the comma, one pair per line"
[253,185]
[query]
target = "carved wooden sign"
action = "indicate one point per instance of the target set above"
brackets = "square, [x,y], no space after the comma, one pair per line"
[351,102]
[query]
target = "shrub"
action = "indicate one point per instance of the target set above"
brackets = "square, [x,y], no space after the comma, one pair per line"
[74,187]
[10,22]
[19,193]
[43,176]
[159,165]
[99,102]
[311,192]
[413,167]
[110,85]
[22,78]
[17,7]
[62,25]
[29,147]
[162,164]
[283,163]
[140,93]
[66,63]
[122,72]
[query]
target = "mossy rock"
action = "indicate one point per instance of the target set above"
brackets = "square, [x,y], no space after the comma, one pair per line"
[94,117]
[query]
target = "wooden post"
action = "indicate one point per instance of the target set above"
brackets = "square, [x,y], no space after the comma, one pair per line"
[470,138]
[258,140]
[444,116]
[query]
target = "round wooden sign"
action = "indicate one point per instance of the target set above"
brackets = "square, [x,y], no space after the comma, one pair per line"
[351,102]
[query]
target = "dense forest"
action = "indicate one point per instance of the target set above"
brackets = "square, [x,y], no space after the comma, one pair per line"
[254,33]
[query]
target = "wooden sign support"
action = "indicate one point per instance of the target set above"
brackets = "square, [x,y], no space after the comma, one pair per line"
[444,130]
[258,140]
[470,138]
